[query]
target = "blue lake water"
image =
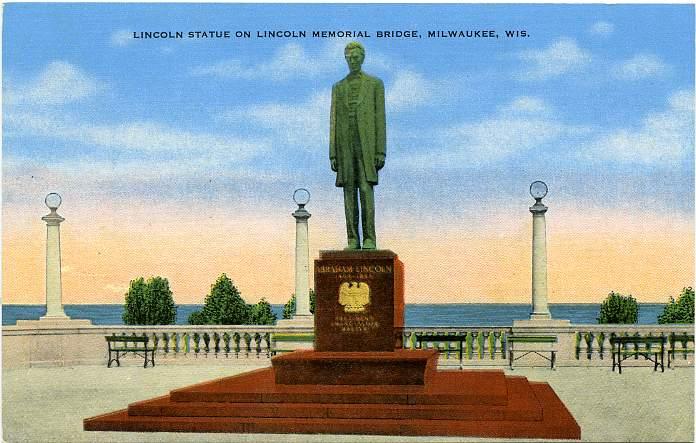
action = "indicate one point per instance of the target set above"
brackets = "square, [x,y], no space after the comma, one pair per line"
[456,314]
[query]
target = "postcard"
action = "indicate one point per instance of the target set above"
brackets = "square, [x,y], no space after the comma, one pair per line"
[182,139]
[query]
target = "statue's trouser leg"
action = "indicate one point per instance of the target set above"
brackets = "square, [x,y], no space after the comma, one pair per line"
[367,200]
[350,200]
[367,211]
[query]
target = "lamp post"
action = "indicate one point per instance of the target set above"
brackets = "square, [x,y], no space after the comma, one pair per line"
[54,304]
[540,305]
[302,304]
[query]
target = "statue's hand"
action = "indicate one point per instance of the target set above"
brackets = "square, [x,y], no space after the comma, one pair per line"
[379,162]
[334,168]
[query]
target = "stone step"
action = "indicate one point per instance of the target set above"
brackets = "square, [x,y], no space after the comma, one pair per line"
[521,405]
[556,423]
[444,387]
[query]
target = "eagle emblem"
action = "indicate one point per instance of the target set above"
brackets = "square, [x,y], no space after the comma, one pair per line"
[354,296]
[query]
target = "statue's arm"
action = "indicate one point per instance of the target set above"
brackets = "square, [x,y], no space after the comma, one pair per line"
[380,125]
[332,131]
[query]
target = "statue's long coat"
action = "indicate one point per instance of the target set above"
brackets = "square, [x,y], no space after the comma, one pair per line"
[371,126]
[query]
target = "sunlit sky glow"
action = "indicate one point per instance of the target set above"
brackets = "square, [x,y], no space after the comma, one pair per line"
[179,157]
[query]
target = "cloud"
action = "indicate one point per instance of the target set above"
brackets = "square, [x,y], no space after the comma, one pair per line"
[518,126]
[561,57]
[304,124]
[526,104]
[121,38]
[131,136]
[662,137]
[409,89]
[59,83]
[291,61]
[602,29]
[639,67]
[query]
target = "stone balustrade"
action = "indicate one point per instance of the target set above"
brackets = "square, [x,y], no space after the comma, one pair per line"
[578,345]
[34,344]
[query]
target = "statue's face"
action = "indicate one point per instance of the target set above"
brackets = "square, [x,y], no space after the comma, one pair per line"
[354,58]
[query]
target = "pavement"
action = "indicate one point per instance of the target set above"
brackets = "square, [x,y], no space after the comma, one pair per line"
[49,404]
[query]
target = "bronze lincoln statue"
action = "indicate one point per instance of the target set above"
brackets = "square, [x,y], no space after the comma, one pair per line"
[358,144]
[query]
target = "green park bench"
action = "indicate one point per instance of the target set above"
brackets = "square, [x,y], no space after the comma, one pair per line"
[119,345]
[684,340]
[451,337]
[532,345]
[650,348]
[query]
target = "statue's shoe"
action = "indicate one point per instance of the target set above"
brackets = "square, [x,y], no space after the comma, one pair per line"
[352,245]
[369,244]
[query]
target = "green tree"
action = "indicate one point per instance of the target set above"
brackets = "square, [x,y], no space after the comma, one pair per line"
[681,311]
[149,303]
[225,305]
[262,314]
[160,302]
[617,308]
[196,318]
[289,308]
[134,307]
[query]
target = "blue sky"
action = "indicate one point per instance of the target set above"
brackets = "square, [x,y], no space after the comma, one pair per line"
[597,102]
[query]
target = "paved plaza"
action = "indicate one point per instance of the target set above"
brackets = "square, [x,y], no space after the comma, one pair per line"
[49,404]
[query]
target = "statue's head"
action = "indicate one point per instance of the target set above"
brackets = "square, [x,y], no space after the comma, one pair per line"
[355,55]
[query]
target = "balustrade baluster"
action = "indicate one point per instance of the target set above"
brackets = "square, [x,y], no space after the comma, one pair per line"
[475,345]
[247,344]
[226,337]
[485,344]
[418,343]
[493,338]
[600,344]
[237,343]
[257,339]
[406,340]
[185,337]
[635,346]
[165,342]
[468,343]
[589,338]
[196,343]
[267,338]
[216,343]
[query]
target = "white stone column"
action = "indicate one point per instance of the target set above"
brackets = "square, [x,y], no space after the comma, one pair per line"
[302,303]
[303,317]
[540,303]
[540,317]
[54,294]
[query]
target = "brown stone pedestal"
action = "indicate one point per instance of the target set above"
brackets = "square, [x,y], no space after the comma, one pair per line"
[355,382]
[354,368]
[359,301]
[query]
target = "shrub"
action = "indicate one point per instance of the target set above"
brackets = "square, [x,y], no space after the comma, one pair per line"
[149,303]
[617,308]
[681,311]
[134,307]
[262,314]
[224,305]
[196,318]
[289,308]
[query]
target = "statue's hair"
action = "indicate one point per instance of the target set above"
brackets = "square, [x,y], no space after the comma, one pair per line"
[355,45]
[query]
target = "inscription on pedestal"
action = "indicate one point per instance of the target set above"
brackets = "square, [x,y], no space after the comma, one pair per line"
[359,300]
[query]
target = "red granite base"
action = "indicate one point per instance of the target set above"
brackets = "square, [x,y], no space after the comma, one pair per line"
[454,403]
[400,367]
